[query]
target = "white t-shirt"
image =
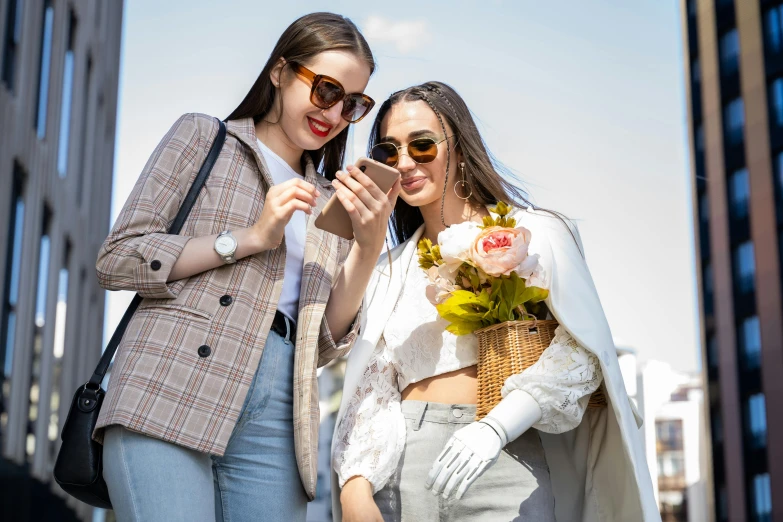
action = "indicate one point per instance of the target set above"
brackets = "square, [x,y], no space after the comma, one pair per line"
[295,237]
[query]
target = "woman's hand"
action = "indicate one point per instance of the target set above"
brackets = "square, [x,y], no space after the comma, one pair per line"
[280,204]
[368,207]
[357,502]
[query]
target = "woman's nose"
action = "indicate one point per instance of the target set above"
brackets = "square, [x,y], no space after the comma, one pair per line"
[333,113]
[405,163]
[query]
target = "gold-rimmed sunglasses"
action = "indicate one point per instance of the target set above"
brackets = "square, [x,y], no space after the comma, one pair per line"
[327,92]
[420,150]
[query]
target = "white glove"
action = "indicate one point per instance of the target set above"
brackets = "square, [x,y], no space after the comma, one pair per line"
[476,447]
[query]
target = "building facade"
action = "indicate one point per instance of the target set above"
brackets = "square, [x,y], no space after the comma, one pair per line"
[734,82]
[674,431]
[59,76]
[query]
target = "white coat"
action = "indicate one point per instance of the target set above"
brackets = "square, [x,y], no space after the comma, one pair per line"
[598,470]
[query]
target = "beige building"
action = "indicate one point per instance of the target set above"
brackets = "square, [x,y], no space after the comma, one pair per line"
[59,75]
[675,441]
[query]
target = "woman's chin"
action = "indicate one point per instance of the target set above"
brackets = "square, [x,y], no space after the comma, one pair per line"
[420,198]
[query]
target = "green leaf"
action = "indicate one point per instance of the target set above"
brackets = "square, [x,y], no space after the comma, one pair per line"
[495,290]
[474,278]
[533,294]
[463,328]
[539,294]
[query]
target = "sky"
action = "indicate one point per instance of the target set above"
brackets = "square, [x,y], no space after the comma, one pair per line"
[583,101]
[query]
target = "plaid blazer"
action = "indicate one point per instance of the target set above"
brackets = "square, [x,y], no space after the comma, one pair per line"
[161,384]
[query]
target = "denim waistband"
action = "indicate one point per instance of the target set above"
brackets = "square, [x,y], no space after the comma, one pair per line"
[438,412]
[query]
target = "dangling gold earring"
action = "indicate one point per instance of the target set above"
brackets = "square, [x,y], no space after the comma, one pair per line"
[463,184]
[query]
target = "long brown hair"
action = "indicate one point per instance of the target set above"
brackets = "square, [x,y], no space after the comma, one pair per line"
[488,178]
[305,38]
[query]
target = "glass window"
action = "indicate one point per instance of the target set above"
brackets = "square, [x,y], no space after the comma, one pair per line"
[772,29]
[11,298]
[762,497]
[42,286]
[729,53]
[691,7]
[757,421]
[717,426]
[779,171]
[669,434]
[696,71]
[745,267]
[739,193]
[776,102]
[704,209]
[58,351]
[43,71]
[750,342]
[65,107]
[85,121]
[13,37]
[734,120]
[699,137]
[712,351]
[707,282]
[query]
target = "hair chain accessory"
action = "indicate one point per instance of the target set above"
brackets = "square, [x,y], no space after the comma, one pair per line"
[448,156]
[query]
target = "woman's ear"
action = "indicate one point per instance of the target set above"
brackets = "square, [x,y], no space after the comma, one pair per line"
[458,155]
[277,72]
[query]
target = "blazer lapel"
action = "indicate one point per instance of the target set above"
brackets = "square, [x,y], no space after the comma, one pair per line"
[392,277]
[382,293]
[244,130]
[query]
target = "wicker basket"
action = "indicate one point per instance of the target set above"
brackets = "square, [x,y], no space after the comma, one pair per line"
[508,348]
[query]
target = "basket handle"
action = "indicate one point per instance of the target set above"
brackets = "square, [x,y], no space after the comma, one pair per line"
[526,317]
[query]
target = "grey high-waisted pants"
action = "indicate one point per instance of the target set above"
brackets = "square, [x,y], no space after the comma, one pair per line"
[517,487]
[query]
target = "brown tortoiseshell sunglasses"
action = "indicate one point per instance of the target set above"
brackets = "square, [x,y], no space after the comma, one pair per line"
[327,92]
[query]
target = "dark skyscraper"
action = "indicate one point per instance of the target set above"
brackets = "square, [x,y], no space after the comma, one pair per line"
[734,63]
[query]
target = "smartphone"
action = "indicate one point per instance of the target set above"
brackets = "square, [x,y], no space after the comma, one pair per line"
[334,218]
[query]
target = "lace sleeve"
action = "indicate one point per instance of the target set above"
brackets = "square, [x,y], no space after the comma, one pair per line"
[561,381]
[371,434]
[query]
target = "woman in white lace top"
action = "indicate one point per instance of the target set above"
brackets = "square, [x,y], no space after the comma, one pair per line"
[408,423]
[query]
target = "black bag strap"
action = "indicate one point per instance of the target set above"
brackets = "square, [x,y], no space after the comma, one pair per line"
[176,226]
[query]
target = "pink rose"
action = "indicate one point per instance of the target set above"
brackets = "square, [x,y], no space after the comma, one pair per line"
[500,251]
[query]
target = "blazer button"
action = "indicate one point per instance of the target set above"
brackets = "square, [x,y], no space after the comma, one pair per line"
[226,300]
[155,265]
[204,350]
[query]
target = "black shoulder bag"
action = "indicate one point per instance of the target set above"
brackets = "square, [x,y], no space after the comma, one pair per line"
[79,466]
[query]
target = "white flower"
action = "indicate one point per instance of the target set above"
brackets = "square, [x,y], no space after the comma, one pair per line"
[455,242]
[440,289]
[537,277]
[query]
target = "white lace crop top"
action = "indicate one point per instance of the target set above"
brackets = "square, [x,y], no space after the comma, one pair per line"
[415,346]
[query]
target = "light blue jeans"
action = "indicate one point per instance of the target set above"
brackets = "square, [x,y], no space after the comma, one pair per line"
[257,479]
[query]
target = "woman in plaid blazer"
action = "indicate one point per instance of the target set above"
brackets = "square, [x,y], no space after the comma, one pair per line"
[212,409]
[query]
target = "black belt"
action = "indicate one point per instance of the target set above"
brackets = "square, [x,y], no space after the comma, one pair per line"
[279,327]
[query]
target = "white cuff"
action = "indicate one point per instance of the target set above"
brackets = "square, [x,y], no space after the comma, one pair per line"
[513,415]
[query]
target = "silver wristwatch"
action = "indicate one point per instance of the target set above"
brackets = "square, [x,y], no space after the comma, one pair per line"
[226,247]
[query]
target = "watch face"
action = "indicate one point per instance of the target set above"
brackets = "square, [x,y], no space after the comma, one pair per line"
[224,245]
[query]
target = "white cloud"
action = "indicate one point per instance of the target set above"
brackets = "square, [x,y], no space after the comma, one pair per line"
[405,35]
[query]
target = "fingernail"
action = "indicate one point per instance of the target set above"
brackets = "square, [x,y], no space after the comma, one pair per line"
[317,194]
